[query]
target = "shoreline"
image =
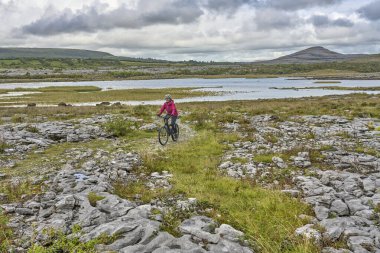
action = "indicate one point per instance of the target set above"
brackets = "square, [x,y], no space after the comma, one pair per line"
[115,104]
[57,80]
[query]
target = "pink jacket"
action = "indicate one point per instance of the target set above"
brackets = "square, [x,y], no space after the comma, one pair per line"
[170,108]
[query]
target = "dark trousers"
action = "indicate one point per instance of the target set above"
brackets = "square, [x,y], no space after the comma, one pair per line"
[173,120]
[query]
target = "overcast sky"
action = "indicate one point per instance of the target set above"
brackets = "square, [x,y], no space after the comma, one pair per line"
[219,30]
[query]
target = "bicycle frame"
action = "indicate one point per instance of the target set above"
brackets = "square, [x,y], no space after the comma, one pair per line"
[166,120]
[170,130]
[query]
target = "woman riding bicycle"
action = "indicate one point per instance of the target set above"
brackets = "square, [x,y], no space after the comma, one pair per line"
[171,110]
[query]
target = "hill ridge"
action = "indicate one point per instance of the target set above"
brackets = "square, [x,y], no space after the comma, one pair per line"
[30,52]
[313,55]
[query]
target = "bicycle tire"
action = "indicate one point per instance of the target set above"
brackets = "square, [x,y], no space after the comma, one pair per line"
[175,135]
[163,136]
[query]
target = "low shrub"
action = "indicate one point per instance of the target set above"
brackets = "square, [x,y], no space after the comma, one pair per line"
[120,127]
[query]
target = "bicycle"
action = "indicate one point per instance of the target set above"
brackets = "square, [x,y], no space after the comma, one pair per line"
[165,131]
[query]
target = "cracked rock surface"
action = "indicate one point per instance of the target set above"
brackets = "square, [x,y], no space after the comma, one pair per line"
[341,183]
[65,202]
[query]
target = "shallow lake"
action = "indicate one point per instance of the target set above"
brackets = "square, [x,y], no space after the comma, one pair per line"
[227,88]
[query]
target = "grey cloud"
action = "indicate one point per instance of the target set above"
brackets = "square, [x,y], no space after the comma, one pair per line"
[6,6]
[371,11]
[274,19]
[91,19]
[343,22]
[227,5]
[322,20]
[289,5]
[299,4]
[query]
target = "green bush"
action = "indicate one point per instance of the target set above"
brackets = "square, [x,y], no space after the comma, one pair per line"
[120,127]
[140,110]
[17,119]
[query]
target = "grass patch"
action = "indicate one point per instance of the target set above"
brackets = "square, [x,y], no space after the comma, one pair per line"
[82,94]
[3,145]
[349,106]
[136,189]
[200,119]
[360,148]
[267,217]
[59,242]
[32,129]
[344,135]
[17,119]
[6,233]
[174,216]
[270,137]
[51,159]
[120,127]
[242,160]
[93,198]
[263,158]
[21,190]
[327,148]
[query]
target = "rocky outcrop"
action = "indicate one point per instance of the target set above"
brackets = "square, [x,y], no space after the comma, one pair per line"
[67,201]
[332,162]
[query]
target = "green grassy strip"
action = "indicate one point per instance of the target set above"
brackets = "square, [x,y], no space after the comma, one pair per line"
[5,233]
[268,218]
[79,94]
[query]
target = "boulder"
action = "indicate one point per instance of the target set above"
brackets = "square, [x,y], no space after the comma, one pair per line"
[339,207]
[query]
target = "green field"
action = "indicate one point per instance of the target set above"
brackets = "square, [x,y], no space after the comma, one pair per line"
[83,94]
[68,69]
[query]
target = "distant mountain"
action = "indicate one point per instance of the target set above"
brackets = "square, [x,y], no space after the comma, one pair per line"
[9,53]
[313,55]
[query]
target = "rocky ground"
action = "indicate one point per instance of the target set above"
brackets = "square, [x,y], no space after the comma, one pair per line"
[81,194]
[330,162]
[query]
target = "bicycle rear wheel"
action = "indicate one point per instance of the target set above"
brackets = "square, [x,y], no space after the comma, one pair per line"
[163,135]
[175,135]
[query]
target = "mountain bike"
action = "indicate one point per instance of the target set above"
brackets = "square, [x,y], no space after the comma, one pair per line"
[166,130]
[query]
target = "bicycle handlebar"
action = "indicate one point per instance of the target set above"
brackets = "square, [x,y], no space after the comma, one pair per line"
[167,115]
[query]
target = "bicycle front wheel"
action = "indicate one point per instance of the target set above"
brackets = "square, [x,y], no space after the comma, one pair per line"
[175,135]
[163,135]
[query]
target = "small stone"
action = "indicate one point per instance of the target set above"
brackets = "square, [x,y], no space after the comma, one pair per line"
[227,232]
[321,212]
[355,205]
[24,211]
[68,202]
[369,185]
[8,208]
[339,207]
[309,232]
[279,162]
[358,243]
